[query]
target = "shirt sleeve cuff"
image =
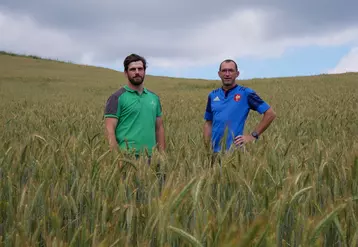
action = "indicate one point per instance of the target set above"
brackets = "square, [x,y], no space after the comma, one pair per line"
[110,116]
[263,108]
[208,116]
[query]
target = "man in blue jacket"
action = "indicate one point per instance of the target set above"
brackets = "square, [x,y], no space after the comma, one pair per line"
[227,110]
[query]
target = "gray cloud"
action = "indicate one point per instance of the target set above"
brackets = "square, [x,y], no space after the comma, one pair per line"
[159,14]
[306,17]
[108,30]
[89,15]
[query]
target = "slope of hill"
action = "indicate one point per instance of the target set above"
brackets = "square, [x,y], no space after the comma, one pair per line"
[59,184]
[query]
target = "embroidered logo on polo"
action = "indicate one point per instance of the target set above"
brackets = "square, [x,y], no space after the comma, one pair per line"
[237,97]
[152,103]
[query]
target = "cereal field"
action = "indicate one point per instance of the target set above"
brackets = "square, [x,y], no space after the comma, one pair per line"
[60,186]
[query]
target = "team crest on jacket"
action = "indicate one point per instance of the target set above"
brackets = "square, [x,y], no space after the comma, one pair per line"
[237,97]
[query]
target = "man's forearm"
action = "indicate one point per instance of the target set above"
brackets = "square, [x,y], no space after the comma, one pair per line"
[265,122]
[207,133]
[207,136]
[111,137]
[160,138]
[110,129]
[112,140]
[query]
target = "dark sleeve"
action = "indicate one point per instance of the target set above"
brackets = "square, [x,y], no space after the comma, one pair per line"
[208,112]
[111,109]
[256,103]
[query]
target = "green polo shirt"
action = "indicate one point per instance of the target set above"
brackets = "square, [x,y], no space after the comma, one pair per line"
[136,114]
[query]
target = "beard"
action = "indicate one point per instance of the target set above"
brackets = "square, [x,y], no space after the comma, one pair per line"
[228,82]
[136,80]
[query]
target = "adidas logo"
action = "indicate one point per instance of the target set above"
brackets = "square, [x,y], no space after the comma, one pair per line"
[216,99]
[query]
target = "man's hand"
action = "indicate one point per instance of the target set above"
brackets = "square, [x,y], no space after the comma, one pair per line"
[243,139]
[265,122]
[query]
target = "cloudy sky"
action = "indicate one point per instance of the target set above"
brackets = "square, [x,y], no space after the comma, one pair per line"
[189,38]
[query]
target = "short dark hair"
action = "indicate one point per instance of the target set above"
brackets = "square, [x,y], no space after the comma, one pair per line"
[228,61]
[134,58]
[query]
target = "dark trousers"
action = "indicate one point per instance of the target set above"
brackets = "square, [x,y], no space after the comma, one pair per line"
[159,173]
[149,159]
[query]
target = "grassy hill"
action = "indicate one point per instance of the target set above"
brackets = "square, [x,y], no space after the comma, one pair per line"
[59,184]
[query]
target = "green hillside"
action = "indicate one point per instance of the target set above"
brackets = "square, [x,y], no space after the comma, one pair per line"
[296,186]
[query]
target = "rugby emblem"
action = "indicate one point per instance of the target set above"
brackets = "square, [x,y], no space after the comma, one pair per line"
[237,97]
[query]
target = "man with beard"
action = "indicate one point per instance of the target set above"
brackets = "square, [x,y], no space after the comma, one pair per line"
[133,114]
[227,110]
